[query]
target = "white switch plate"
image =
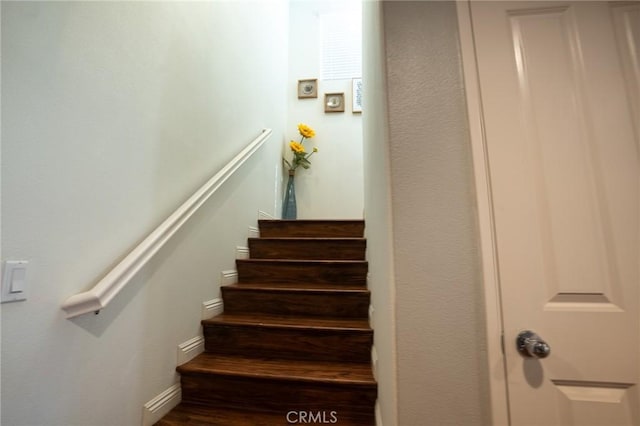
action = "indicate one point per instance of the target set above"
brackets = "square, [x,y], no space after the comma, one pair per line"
[14,281]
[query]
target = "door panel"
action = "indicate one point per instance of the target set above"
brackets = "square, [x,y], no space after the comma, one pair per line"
[585,404]
[626,16]
[563,158]
[557,86]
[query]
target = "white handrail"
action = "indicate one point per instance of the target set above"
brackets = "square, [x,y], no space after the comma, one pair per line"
[108,287]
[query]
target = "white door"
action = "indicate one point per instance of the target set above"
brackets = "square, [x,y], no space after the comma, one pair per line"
[559,94]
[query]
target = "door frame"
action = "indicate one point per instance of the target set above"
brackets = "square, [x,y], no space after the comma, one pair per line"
[496,365]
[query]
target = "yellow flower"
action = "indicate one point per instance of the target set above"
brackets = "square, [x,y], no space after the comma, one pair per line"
[296,147]
[306,131]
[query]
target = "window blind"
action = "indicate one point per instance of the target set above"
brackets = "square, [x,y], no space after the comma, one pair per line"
[341,38]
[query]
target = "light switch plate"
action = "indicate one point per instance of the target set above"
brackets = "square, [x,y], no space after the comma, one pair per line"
[14,281]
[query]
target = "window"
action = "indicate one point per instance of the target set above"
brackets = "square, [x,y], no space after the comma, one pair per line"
[341,49]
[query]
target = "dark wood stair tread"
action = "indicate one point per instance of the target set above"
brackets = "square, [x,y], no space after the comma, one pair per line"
[307,221]
[358,374]
[291,322]
[198,415]
[308,248]
[302,222]
[303,261]
[301,287]
[294,239]
[311,228]
[319,300]
[317,271]
[305,285]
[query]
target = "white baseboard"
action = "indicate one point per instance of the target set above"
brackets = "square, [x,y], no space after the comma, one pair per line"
[254,232]
[242,252]
[374,362]
[264,215]
[211,308]
[372,310]
[159,406]
[228,277]
[190,349]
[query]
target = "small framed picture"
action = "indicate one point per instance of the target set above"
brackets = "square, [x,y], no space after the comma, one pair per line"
[356,93]
[308,88]
[334,102]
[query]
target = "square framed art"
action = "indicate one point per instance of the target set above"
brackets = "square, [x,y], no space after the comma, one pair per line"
[334,102]
[308,88]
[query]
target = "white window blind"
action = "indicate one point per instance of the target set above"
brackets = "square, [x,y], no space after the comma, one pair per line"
[341,38]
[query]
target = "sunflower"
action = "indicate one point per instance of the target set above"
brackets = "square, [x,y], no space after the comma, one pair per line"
[296,147]
[300,155]
[306,131]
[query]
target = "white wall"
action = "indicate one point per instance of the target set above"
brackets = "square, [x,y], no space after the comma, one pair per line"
[333,186]
[425,207]
[113,113]
[378,213]
[0,218]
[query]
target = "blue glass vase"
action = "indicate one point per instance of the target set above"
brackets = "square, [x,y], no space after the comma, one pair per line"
[289,209]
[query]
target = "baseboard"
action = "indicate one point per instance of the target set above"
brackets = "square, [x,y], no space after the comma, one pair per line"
[228,277]
[242,252]
[254,232]
[264,215]
[211,308]
[374,366]
[190,349]
[374,361]
[159,406]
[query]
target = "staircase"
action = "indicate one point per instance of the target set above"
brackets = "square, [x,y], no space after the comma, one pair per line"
[293,345]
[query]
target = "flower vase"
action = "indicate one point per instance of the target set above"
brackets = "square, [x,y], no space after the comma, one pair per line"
[289,209]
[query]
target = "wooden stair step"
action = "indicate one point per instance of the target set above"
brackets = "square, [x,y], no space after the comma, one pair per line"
[308,248]
[261,298]
[292,322]
[356,374]
[317,271]
[301,285]
[273,385]
[289,337]
[200,415]
[311,228]
[186,414]
[305,284]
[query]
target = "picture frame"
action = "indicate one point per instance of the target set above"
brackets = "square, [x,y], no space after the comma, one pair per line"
[356,95]
[334,102]
[308,88]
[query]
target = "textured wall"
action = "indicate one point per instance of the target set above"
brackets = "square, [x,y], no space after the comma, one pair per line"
[113,114]
[440,334]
